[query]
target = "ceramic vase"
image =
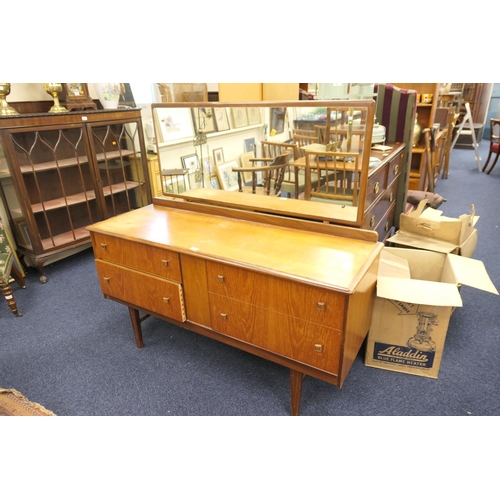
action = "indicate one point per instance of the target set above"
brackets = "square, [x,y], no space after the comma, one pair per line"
[108,94]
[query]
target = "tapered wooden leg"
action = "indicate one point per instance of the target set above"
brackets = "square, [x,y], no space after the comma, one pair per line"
[494,163]
[296,379]
[136,325]
[11,301]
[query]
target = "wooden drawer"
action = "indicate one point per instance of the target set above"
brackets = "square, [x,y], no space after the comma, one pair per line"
[377,212]
[394,168]
[376,184]
[294,299]
[386,224]
[143,257]
[142,290]
[306,342]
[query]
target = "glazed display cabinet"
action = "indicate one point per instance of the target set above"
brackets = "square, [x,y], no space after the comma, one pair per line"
[67,171]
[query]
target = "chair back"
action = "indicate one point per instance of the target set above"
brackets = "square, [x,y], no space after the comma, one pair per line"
[303,138]
[338,177]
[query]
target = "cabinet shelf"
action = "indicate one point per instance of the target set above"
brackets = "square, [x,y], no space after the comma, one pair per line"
[64,238]
[71,162]
[82,197]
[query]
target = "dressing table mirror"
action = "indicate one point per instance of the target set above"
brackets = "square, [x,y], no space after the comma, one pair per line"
[205,143]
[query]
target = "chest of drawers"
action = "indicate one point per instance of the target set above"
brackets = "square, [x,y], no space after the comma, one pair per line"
[301,297]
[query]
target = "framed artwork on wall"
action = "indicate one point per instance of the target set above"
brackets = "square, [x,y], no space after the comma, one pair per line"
[239,117]
[203,120]
[207,165]
[227,178]
[191,162]
[277,120]
[253,116]
[218,156]
[250,145]
[221,119]
[175,124]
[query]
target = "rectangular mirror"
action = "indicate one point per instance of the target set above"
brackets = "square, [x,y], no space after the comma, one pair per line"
[201,146]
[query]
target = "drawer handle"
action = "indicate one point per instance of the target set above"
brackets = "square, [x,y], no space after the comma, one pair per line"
[386,227]
[391,196]
[223,316]
[220,278]
[318,347]
[376,188]
[396,169]
[166,300]
[164,262]
[321,306]
[106,279]
[372,221]
[104,245]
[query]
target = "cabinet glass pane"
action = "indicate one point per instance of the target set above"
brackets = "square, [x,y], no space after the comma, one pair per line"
[58,182]
[120,167]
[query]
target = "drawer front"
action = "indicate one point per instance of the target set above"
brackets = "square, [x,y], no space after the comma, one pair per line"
[297,300]
[302,341]
[374,215]
[142,290]
[143,257]
[376,184]
[386,224]
[394,168]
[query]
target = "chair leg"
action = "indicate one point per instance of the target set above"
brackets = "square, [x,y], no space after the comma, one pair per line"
[11,301]
[494,163]
[487,161]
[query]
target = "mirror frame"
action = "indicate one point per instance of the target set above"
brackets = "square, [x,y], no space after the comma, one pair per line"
[368,105]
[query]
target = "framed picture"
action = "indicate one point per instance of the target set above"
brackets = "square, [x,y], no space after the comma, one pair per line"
[227,178]
[239,117]
[245,162]
[126,97]
[195,179]
[21,232]
[221,119]
[218,156]
[250,145]
[207,165]
[253,116]
[203,120]
[213,182]
[191,162]
[175,124]
[175,184]
[277,120]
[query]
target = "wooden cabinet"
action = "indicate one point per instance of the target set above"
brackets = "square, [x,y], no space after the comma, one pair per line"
[69,170]
[303,299]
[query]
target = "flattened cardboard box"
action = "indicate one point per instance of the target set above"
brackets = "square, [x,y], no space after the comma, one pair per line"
[428,229]
[417,290]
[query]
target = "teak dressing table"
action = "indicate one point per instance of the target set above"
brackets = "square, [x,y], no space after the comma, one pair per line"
[296,292]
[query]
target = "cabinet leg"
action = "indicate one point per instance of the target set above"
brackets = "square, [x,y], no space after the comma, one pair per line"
[39,266]
[136,325]
[296,379]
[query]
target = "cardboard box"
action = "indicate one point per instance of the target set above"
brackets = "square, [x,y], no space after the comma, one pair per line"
[428,229]
[417,291]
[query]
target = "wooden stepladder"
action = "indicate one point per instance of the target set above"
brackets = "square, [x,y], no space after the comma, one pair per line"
[468,118]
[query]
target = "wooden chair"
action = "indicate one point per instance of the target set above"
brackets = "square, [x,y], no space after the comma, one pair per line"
[7,269]
[174,180]
[494,143]
[273,170]
[335,170]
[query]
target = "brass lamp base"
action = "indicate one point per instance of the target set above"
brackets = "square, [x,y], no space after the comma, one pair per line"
[54,89]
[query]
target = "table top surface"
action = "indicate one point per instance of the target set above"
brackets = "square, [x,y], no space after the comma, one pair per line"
[325,260]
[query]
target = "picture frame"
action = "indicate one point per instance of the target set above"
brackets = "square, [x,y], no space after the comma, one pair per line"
[175,184]
[76,96]
[203,120]
[174,124]
[227,178]
[218,156]
[21,232]
[191,163]
[126,99]
[195,179]
[221,119]
[240,118]
[254,116]
[245,162]
[250,145]
[208,166]
[214,182]
[277,120]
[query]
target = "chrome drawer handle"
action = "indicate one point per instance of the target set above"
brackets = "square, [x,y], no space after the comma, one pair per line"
[164,262]
[220,278]
[321,306]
